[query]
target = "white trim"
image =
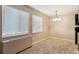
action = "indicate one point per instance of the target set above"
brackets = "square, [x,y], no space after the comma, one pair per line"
[63,39]
[4,35]
[16,39]
[40,40]
[52,37]
[77,52]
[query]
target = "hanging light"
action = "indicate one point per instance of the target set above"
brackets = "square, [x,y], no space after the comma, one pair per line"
[57,18]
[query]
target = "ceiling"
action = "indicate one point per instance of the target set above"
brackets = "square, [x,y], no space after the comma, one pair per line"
[50,10]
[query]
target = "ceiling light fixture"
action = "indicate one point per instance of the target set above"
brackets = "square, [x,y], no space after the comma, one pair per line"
[57,18]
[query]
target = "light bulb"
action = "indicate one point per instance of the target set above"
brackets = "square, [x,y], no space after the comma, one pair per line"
[56,19]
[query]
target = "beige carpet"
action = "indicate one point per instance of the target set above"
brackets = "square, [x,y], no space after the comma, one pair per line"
[52,46]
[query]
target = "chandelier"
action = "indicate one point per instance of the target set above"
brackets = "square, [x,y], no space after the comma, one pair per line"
[57,18]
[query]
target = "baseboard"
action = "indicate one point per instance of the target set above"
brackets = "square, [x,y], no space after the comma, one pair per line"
[40,40]
[62,39]
[53,37]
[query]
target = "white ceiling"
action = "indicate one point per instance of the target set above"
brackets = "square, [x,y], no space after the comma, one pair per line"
[50,10]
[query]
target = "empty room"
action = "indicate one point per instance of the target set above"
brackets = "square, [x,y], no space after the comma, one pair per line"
[39,29]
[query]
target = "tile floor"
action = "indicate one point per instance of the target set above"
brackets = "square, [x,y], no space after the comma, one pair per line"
[52,46]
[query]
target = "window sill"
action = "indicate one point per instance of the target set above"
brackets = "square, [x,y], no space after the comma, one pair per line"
[5,35]
[16,38]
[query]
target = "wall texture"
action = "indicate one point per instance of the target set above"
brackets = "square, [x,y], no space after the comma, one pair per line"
[64,28]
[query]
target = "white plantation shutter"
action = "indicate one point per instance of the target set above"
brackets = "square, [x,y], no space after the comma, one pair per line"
[14,21]
[37,24]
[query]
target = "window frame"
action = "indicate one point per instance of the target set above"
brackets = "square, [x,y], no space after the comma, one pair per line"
[18,33]
[38,22]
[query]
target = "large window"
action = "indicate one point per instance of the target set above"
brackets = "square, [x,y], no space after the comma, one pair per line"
[14,22]
[37,24]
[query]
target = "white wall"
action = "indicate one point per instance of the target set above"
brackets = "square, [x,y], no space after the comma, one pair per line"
[64,28]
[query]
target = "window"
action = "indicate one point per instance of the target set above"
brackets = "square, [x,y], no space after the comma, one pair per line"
[14,22]
[37,24]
